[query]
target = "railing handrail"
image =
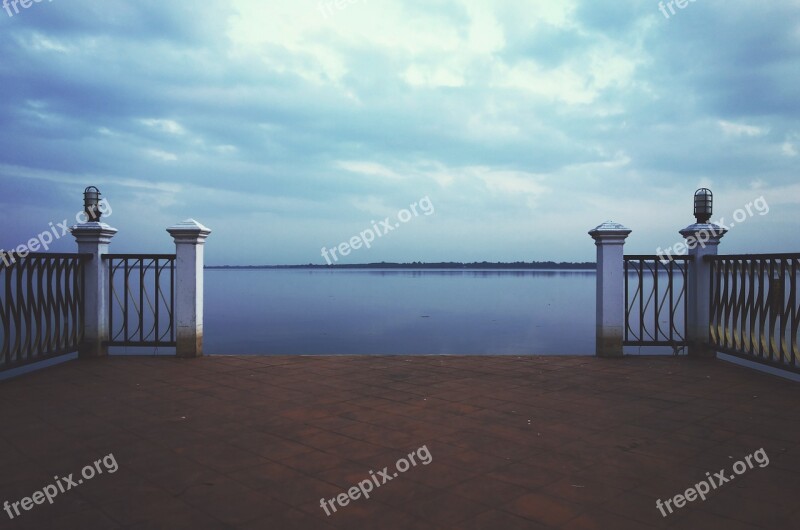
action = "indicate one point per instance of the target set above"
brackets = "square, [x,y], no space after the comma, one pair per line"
[54,255]
[138,256]
[721,257]
[644,257]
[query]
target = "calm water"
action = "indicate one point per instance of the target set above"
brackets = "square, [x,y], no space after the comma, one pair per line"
[399,312]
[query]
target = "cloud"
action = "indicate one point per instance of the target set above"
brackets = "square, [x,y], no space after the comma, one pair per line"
[162,155]
[790,146]
[163,125]
[740,129]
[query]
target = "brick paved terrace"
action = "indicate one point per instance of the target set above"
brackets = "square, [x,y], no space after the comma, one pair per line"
[515,442]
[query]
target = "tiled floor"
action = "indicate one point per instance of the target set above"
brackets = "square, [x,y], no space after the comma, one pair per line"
[515,442]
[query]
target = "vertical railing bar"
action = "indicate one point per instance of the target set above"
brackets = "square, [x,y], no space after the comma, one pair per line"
[642,305]
[762,310]
[142,271]
[784,352]
[729,272]
[82,301]
[44,278]
[71,301]
[110,268]
[772,313]
[751,308]
[158,302]
[626,335]
[17,314]
[711,301]
[21,310]
[63,306]
[172,332]
[4,273]
[656,305]
[125,300]
[671,288]
[25,308]
[737,303]
[11,327]
[685,299]
[742,303]
[64,264]
[712,306]
[33,307]
[793,302]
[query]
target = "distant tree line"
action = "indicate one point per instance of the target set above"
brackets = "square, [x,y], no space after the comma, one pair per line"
[516,265]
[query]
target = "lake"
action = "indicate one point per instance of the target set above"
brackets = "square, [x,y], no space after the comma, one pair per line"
[302,311]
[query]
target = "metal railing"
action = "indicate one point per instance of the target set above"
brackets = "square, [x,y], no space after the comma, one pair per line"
[754,307]
[141,299]
[655,301]
[41,307]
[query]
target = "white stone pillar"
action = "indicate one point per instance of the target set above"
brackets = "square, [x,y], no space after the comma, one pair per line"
[93,238]
[702,239]
[189,236]
[610,238]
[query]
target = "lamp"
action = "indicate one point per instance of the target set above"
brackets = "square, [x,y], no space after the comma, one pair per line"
[91,202]
[703,205]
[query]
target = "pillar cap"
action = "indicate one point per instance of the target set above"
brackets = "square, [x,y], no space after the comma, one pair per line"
[609,229]
[93,231]
[715,231]
[189,231]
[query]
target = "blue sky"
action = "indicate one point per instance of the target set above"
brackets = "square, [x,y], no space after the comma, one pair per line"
[286,126]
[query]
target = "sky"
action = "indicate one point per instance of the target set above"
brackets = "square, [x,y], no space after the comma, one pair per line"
[289,126]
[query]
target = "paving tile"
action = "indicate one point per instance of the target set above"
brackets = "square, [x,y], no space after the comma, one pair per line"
[526,475]
[497,519]
[230,502]
[446,509]
[544,509]
[598,519]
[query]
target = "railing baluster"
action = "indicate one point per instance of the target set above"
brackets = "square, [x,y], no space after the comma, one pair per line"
[626,332]
[656,304]
[142,271]
[793,302]
[642,301]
